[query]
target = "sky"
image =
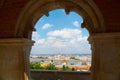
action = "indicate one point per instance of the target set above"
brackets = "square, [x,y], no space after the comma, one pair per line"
[60,33]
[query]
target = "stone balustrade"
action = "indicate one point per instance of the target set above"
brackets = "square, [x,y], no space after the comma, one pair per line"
[59,75]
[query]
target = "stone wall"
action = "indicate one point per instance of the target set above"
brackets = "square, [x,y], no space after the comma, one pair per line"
[9,13]
[59,75]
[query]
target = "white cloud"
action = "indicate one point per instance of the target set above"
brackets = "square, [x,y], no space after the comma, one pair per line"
[65,41]
[59,44]
[37,39]
[76,24]
[35,36]
[65,33]
[41,41]
[46,26]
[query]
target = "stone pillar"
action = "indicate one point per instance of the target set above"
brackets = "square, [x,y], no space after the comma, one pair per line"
[105,56]
[14,59]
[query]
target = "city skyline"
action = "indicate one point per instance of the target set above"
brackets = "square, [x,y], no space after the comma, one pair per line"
[78,62]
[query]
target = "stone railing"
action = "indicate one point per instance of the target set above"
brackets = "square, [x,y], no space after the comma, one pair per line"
[59,75]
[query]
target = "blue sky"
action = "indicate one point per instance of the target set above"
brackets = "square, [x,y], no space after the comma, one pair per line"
[60,33]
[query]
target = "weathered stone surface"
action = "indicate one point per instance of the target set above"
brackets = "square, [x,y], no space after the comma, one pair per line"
[14,58]
[106,56]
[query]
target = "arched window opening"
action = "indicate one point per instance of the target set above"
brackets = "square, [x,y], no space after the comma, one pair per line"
[60,43]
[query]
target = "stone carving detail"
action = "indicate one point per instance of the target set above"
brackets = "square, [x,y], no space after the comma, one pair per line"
[83,25]
[67,10]
[86,8]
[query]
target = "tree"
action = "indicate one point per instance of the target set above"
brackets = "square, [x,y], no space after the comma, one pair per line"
[66,68]
[35,65]
[63,68]
[73,69]
[51,67]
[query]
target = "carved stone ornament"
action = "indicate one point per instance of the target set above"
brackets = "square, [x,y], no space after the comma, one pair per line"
[35,9]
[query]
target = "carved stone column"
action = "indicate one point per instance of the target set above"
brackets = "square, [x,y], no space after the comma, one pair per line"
[105,56]
[14,59]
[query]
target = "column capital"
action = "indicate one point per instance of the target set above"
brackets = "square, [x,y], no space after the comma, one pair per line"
[16,41]
[14,58]
[104,37]
[105,56]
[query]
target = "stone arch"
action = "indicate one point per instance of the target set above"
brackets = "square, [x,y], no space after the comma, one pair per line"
[92,18]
